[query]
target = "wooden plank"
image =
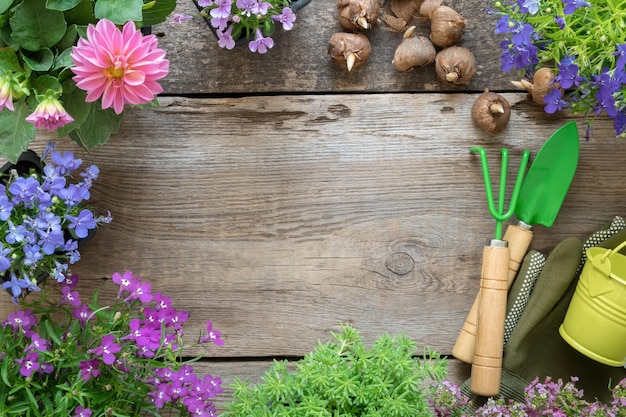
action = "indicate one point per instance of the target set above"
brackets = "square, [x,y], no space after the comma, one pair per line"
[299,62]
[252,371]
[280,217]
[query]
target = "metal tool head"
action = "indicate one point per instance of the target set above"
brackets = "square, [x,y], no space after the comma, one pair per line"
[498,213]
[549,178]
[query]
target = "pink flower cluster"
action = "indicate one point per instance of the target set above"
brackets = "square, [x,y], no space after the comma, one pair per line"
[118,66]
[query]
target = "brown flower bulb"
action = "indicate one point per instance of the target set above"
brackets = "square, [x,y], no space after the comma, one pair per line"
[413,51]
[540,85]
[446,26]
[491,112]
[357,14]
[455,65]
[350,50]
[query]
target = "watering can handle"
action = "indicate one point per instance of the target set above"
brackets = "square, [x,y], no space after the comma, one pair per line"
[611,252]
[487,363]
[519,238]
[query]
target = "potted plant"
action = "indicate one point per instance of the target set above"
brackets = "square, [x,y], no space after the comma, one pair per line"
[43,218]
[67,356]
[569,53]
[67,66]
[344,378]
[252,22]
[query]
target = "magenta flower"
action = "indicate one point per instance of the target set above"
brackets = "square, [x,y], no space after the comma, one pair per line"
[89,369]
[107,349]
[119,66]
[82,412]
[50,114]
[125,281]
[212,335]
[69,297]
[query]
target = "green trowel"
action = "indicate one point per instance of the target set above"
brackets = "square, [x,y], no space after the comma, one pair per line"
[543,191]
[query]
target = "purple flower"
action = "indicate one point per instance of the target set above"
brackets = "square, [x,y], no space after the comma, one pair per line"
[125,281]
[554,102]
[146,335]
[529,6]
[107,349]
[82,313]
[260,44]
[161,396]
[519,52]
[6,207]
[205,3]
[139,290]
[212,335]
[568,73]
[82,412]
[29,364]
[5,259]
[32,255]
[619,123]
[222,10]
[225,38]
[37,343]
[15,285]
[621,55]
[65,162]
[569,6]
[287,18]
[560,21]
[24,190]
[70,297]
[248,7]
[16,234]
[21,320]
[82,223]
[89,369]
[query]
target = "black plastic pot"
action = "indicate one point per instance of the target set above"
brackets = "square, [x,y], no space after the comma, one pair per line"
[242,40]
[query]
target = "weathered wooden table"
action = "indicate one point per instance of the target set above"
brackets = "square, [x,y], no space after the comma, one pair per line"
[279,195]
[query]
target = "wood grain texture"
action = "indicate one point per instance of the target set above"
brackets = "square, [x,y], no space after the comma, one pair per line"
[299,62]
[279,217]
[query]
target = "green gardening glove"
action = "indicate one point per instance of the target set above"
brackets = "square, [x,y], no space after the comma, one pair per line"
[538,301]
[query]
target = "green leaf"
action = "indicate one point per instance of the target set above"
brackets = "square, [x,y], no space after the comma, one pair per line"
[34,27]
[119,11]
[158,12]
[9,61]
[15,132]
[97,127]
[47,82]
[4,5]
[4,371]
[40,60]
[64,60]
[82,14]
[69,38]
[61,5]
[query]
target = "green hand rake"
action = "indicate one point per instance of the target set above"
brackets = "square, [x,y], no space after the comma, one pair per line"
[482,336]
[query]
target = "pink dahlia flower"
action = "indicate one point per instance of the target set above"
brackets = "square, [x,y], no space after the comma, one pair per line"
[119,66]
[50,114]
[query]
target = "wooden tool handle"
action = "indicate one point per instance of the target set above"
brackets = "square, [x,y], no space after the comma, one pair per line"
[487,365]
[519,239]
